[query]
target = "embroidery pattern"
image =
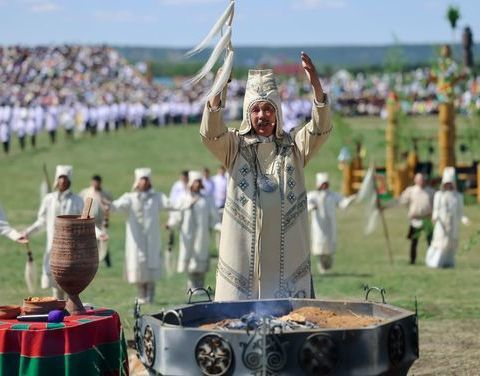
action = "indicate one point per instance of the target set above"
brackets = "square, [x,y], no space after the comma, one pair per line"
[291,197]
[243,184]
[239,215]
[245,169]
[243,200]
[291,182]
[234,278]
[296,211]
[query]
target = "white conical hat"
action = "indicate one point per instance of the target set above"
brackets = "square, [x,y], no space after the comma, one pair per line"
[194,175]
[64,170]
[142,172]
[448,175]
[261,87]
[321,178]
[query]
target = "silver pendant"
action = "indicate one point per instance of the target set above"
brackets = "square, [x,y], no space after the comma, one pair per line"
[266,183]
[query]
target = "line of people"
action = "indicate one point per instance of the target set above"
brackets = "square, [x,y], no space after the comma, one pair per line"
[194,211]
[195,205]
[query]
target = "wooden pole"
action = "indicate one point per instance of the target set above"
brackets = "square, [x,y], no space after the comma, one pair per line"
[446,136]
[478,183]
[347,186]
[391,144]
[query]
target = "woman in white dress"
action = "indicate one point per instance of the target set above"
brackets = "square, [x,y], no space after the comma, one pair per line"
[447,215]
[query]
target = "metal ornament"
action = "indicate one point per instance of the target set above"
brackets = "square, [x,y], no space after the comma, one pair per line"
[267,183]
[148,346]
[265,353]
[319,355]
[213,355]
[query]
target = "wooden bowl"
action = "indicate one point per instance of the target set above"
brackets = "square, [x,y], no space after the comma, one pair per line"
[8,312]
[39,306]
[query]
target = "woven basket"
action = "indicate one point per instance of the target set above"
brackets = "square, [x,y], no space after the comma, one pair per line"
[74,257]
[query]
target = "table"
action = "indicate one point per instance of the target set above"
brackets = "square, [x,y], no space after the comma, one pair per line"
[89,344]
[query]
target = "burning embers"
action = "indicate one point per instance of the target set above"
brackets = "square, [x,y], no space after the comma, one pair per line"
[299,319]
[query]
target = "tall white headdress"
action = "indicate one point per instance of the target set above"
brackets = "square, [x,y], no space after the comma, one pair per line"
[223,26]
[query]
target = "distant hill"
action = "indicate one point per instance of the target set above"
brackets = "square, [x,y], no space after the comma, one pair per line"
[336,57]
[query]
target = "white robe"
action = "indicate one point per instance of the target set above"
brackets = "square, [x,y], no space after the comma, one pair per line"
[447,215]
[5,228]
[322,204]
[195,222]
[53,204]
[143,247]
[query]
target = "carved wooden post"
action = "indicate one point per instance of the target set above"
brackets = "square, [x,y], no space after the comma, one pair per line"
[390,138]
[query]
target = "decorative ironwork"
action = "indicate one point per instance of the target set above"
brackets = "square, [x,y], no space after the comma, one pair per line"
[214,355]
[137,335]
[319,355]
[396,344]
[148,346]
[264,354]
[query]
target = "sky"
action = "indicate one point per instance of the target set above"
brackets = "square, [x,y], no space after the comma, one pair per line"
[183,23]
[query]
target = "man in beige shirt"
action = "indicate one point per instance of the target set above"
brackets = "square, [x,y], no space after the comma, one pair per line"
[419,199]
[101,200]
[264,251]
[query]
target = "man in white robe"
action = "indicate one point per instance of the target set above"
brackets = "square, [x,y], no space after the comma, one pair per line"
[447,216]
[60,202]
[323,204]
[143,247]
[264,251]
[195,221]
[178,190]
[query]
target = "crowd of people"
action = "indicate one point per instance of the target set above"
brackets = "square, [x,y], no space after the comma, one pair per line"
[94,89]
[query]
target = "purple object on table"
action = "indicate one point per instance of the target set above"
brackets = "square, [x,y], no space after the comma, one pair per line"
[56,315]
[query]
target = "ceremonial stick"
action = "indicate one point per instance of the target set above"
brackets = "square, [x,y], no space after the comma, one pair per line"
[384,222]
[86,208]
[47,180]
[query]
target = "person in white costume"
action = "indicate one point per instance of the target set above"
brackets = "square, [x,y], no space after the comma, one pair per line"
[62,201]
[322,204]
[143,247]
[447,215]
[99,210]
[195,221]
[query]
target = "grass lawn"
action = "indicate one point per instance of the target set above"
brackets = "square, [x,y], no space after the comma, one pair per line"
[448,300]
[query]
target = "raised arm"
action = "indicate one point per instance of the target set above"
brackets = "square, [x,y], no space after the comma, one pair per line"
[222,143]
[121,204]
[314,133]
[215,134]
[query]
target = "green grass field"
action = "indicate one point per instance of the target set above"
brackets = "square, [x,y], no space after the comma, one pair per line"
[448,300]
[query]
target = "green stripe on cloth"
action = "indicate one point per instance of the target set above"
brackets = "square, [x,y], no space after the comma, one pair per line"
[106,359]
[20,327]
[55,325]
[84,320]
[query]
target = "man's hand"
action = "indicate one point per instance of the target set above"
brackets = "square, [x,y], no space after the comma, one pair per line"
[215,101]
[22,240]
[312,77]
[103,236]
